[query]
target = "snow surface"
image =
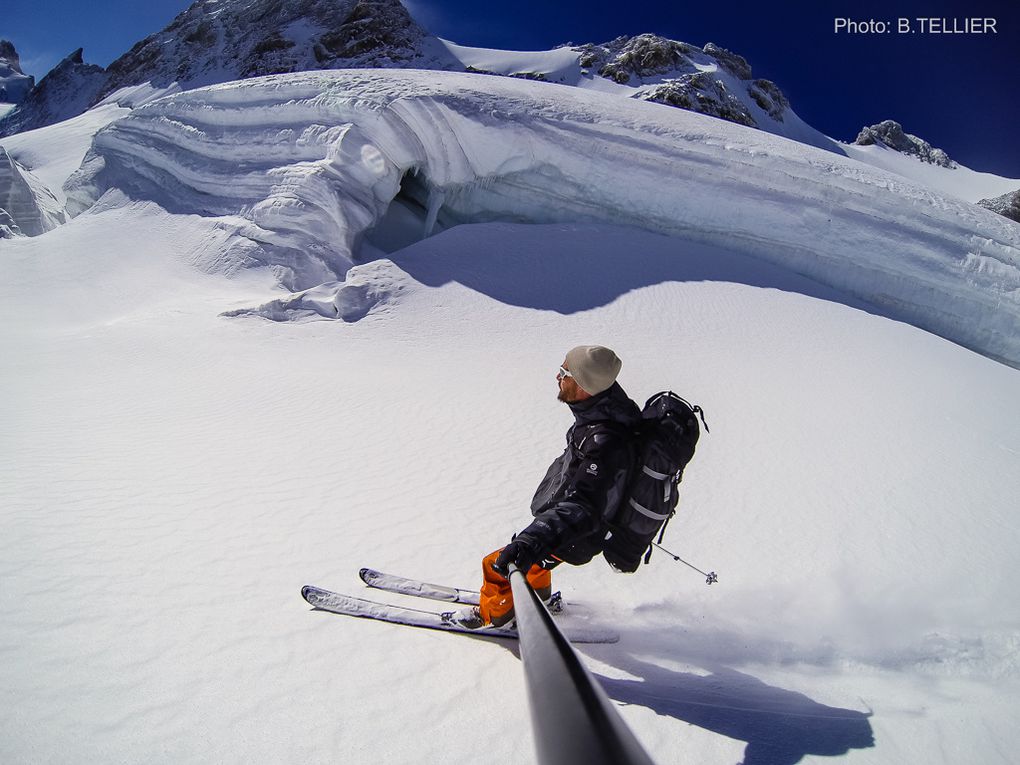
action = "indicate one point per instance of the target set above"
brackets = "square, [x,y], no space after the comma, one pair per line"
[170,477]
[960,182]
[53,152]
[558,65]
[305,166]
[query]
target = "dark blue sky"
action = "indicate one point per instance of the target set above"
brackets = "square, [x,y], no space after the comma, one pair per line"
[957,91]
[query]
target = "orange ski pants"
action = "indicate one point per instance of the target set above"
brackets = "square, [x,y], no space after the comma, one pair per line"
[496,602]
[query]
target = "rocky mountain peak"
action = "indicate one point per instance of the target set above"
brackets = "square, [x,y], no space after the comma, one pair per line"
[14,83]
[9,56]
[709,80]
[71,87]
[733,63]
[217,40]
[638,57]
[890,133]
[1007,205]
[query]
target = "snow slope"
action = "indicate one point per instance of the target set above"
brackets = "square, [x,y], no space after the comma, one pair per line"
[722,87]
[170,478]
[304,168]
[54,152]
[31,188]
[960,182]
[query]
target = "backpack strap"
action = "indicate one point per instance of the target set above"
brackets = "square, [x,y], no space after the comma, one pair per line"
[701,413]
[648,513]
[597,429]
[662,533]
[654,474]
[694,408]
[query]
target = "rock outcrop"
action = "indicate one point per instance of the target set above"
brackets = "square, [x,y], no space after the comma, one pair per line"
[890,133]
[71,87]
[704,94]
[14,83]
[709,80]
[1007,205]
[635,58]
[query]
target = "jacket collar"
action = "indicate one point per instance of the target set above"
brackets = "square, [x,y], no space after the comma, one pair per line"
[612,404]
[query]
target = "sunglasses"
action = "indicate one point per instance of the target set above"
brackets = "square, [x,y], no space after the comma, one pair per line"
[563,373]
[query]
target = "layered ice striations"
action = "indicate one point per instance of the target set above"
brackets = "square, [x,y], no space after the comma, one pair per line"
[307,167]
[27,207]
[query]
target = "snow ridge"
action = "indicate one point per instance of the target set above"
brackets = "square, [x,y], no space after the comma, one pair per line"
[309,163]
[27,207]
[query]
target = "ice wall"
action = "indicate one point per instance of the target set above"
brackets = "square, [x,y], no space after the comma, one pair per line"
[305,164]
[29,207]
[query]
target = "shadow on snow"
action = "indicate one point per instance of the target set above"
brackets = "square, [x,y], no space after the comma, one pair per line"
[779,726]
[573,267]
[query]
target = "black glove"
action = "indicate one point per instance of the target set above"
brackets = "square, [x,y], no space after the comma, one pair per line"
[523,551]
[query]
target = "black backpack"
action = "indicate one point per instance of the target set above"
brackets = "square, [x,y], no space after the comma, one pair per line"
[663,444]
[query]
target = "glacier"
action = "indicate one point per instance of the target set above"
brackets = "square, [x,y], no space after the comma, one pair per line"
[27,206]
[313,172]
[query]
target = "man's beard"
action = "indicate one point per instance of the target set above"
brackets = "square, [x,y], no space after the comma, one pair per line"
[565,396]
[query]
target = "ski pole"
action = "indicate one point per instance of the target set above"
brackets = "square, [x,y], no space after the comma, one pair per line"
[710,577]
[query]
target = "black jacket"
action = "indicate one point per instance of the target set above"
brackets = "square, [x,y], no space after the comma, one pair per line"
[585,483]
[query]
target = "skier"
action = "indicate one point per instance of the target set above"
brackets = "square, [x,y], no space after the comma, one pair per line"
[581,487]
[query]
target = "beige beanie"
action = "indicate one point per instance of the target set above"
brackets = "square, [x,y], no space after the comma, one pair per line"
[594,368]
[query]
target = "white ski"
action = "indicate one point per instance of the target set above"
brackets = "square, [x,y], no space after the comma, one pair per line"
[348,605]
[416,588]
